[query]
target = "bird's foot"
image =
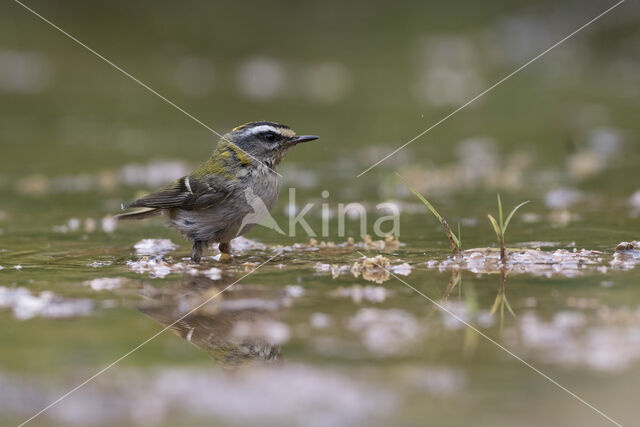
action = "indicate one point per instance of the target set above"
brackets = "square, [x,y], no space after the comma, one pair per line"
[225,252]
[196,252]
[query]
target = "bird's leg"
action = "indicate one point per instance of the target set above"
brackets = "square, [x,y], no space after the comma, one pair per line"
[196,252]
[225,251]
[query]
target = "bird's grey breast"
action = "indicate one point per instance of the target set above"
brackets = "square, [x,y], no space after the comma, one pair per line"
[264,183]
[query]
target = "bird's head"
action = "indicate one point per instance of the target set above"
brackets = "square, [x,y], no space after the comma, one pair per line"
[265,141]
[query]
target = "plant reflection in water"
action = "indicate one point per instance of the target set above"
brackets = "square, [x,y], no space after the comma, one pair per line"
[472,306]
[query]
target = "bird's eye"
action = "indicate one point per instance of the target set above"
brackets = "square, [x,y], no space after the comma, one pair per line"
[270,136]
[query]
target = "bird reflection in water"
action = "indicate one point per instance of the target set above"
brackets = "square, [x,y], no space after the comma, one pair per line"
[237,327]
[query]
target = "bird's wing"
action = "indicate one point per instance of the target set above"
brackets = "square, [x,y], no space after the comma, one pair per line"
[187,192]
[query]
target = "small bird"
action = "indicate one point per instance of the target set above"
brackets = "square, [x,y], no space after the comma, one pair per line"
[212,204]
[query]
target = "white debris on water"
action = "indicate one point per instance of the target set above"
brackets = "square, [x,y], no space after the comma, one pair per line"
[538,244]
[634,200]
[154,246]
[460,310]
[628,246]
[562,198]
[153,262]
[262,77]
[294,291]
[626,256]
[320,320]
[325,82]
[242,244]
[287,394]
[106,283]
[560,262]
[321,267]
[438,381]
[562,217]
[99,264]
[389,243]
[403,269]
[26,305]
[375,269]
[530,217]
[150,175]
[88,225]
[213,273]
[359,293]
[109,224]
[385,332]
[156,267]
[73,224]
[568,339]
[479,165]
[153,174]
[448,70]
[602,145]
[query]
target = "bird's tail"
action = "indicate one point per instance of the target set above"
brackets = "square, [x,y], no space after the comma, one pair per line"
[139,214]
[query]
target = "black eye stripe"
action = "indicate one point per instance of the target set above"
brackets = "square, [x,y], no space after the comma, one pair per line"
[269,136]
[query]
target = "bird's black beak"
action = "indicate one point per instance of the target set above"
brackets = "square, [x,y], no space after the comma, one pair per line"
[298,139]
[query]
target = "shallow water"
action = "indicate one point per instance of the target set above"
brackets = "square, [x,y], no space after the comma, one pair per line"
[291,341]
[318,335]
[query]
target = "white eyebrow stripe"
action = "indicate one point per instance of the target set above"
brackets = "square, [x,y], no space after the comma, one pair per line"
[263,128]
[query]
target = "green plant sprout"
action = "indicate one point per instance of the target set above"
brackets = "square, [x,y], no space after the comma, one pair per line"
[501,227]
[454,241]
